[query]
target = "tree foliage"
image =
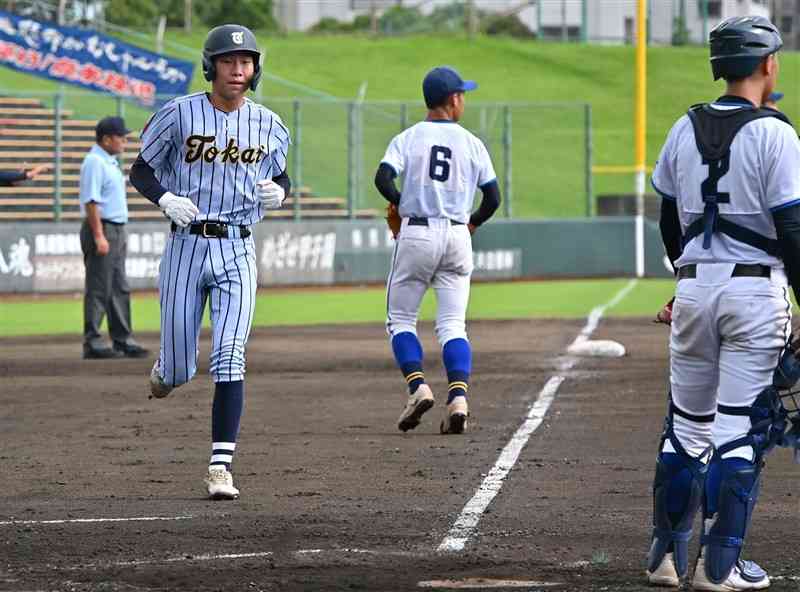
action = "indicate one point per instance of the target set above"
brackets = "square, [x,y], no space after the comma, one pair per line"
[254,14]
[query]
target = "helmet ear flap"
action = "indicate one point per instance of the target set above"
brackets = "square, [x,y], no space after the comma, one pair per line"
[209,69]
[256,75]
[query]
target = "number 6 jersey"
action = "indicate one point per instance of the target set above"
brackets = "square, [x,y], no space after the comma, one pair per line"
[725,198]
[443,163]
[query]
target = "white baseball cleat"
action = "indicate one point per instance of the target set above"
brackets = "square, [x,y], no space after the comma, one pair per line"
[745,575]
[158,388]
[417,405]
[219,483]
[665,574]
[455,418]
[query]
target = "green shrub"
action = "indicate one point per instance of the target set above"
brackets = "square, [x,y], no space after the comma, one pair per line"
[399,19]
[509,25]
[331,25]
[132,13]
[255,14]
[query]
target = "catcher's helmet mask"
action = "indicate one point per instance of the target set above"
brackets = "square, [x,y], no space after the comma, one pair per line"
[230,39]
[739,44]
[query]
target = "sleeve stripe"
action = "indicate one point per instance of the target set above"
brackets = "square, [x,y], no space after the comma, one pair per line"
[661,193]
[783,206]
[391,166]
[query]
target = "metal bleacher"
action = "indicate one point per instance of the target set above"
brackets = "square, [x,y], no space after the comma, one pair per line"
[28,137]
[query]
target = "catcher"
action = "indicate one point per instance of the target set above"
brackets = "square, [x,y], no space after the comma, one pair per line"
[442,163]
[731,228]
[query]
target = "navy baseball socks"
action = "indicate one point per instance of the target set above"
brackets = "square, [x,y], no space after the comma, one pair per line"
[408,355]
[457,356]
[226,412]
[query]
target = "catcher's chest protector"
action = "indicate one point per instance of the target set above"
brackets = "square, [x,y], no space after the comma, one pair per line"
[714,132]
[715,129]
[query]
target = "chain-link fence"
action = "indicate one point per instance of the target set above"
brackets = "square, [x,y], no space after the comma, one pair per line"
[541,152]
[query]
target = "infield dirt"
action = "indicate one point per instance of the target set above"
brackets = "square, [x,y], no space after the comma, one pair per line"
[333,496]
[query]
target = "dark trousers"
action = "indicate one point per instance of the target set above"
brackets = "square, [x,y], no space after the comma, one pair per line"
[106,291]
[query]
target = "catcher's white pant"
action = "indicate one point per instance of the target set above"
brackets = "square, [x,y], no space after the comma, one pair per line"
[438,255]
[726,339]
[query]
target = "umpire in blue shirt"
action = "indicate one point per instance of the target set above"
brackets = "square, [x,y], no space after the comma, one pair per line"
[104,243]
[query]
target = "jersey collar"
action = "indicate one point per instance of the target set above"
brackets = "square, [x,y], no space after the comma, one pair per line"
[98,150]
[734,100]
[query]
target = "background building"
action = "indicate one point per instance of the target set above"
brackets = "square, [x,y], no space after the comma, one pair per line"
[786,14]
[612,21]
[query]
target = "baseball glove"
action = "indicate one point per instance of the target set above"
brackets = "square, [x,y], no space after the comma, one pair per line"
[393,219]
[665,314]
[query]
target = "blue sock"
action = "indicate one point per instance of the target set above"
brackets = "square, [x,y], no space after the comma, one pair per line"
[457,356]
[408,355]
[226,412]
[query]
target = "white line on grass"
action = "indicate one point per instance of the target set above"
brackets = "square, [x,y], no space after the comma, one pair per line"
[467,521]
[93,520]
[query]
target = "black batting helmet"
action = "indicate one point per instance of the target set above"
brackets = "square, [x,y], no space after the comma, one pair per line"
[739,44]
[227,39]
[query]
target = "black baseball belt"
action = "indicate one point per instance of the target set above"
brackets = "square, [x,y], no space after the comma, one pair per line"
[419,221]
[211,229]
[739,270]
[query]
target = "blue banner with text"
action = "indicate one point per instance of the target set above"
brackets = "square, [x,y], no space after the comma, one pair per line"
[90,59]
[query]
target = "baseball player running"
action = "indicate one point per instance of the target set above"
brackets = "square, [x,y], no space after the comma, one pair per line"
[442,164]
[213,162]
[729,178]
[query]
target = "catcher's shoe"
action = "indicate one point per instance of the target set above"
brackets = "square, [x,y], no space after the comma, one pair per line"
[417,405]
[158,388]
[455,417]
[219,483]
[665,574]
[745,575]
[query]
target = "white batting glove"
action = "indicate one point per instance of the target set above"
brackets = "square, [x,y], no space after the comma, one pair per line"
[270,194]
[180,209]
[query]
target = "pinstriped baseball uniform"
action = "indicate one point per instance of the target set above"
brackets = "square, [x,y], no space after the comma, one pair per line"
[215,159]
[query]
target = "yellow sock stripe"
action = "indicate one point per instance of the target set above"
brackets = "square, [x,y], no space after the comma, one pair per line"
[414,376]
[457,384]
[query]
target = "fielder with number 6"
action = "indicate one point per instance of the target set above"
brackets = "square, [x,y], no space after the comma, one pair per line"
[442,164]
[213,162]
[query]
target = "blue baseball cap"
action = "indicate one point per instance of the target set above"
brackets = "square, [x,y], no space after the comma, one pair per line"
[775,97]
[441,82]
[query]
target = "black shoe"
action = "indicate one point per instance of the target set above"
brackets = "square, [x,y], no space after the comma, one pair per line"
[103,353]
[131,350]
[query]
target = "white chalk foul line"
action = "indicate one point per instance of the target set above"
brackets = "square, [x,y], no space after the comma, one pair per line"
[93,520]
[467,521]
[182,558]
[301,554]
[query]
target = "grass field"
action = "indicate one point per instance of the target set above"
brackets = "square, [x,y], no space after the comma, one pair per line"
[514,300]
[548,152]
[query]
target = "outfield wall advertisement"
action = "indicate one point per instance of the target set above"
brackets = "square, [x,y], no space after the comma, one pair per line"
[46,257]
